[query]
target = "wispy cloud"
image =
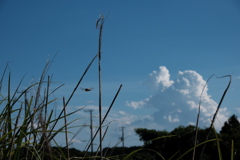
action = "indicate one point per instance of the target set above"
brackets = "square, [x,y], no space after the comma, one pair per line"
[137,104]
[176,101]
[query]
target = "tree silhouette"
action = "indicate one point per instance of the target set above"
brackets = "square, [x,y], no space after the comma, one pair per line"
[178,141]
[230,133]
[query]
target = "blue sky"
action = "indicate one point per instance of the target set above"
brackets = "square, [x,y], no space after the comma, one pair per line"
[161,51]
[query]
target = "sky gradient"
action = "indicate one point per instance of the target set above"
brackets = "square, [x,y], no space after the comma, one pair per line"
[162,52]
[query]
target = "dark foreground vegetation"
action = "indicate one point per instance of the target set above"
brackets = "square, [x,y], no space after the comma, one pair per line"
[170,145]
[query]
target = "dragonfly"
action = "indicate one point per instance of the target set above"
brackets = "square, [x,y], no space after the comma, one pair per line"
[86,89]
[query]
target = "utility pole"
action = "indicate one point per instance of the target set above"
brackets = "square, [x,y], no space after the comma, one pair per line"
[122,139]
[90,110]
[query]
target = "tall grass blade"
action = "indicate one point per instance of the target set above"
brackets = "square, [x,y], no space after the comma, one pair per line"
[232,150]
[198,116]
[142,149]
[163,137]
[202,143]
[60,150]
[174,155]
[74,90]
[218,144]
[102,140]
[9,109]
[17,151]
[41,80]
[66,129]
[119,89]
[1,81]
[215,114]
[101,22]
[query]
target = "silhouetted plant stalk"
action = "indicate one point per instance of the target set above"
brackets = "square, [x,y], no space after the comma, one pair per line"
[232,150]
[1,81]
[198,116]
[102,141]
[66,129]
[214,116]
[115,97]
[76,87]
[99,24]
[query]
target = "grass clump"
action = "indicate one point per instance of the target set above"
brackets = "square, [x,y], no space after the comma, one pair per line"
[27,125]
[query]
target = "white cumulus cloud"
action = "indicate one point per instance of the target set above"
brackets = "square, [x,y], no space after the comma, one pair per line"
[176,101]
[159,79]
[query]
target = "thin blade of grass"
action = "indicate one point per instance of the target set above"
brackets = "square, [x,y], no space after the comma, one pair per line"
[9,108]
[232,150]
[174,155]
[216,112]
[142,149]
[115,97]
[74,90]
[198,116]
[203,143]
[1,81]
[102,140]
[163,137]
[218,144]
[101,22]
[66,129]
[17,150]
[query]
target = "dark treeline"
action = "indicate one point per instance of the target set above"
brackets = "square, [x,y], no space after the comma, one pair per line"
[173,144]
[180,140]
